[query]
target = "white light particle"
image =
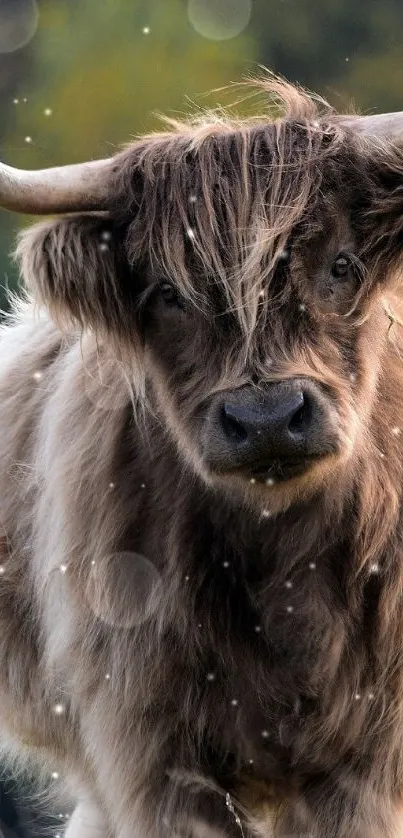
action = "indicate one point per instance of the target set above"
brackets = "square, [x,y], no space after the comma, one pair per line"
[396,431]
[55,775]
[192,199]
[252,480]
[107,677]
[353,378]
[371,696]
[251,762]
[347,59]
[63,568]
[106,235]
[58,835]
[146,30]
[357,696]
[143,485]
[28,140]
[374,568]
[234,702]
[2,570]
[48,112]
[266,513]
[270,481]
[312,565]
[93,563]
[261,294]
[25,100]
[289,609]
[210,676]
[187,578]
[265,734]
[288,584]
[37,375]
[382,455]
[258,629]
[59,709]
[111,485]
[104,246]
[302,307]
[190,233]
[225,564]
[16,101]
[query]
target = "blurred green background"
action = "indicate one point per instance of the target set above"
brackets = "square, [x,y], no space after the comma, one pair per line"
[92,73]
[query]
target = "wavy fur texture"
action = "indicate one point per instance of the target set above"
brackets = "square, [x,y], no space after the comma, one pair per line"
[199,656]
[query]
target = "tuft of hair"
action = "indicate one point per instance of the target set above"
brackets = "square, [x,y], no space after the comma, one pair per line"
[211,201]
[217,195]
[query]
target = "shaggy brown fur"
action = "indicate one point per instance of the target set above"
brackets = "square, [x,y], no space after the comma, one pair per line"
[251,680]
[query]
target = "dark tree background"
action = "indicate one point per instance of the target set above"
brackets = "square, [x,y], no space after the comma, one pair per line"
[92,73]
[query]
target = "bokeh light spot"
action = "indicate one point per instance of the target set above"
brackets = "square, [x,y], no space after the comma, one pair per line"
[219,20]
[123,589]
[18,24]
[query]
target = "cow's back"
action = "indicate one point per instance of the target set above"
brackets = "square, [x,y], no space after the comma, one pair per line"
[28,345]
[60,423]
[29,348]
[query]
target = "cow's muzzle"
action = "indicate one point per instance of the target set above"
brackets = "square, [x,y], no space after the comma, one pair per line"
[270,434]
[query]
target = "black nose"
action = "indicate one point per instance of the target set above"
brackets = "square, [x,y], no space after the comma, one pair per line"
[283,424]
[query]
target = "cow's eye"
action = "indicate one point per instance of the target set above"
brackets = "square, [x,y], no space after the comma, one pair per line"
[341,266]
[169,294]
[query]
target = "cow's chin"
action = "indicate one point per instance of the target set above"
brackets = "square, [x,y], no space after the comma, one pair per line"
[275,488]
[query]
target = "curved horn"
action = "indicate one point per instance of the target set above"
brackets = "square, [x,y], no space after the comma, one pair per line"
[81,186]
[388,125]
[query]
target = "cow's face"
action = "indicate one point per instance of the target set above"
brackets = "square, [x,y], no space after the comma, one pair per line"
[251,287]
[289,411]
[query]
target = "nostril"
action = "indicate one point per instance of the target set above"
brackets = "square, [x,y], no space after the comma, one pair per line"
[233,429]
[301,419]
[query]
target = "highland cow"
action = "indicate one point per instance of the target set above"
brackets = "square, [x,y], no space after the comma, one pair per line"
[201,591]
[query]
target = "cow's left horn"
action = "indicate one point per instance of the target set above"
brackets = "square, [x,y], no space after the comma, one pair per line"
[387,125]
[81,186]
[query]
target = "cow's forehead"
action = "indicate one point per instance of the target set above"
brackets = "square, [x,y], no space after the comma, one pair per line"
[222,189]
[221,205]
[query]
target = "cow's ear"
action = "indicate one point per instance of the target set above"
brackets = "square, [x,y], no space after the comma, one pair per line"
[76,268]
[380,205]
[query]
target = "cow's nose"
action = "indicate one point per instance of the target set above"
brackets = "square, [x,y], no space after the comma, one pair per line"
[279,425]
[271,433]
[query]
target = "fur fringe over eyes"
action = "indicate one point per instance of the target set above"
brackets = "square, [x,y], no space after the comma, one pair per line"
[214,199]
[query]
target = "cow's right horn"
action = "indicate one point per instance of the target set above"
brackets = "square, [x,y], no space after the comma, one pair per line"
[81,186]
[382,125]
